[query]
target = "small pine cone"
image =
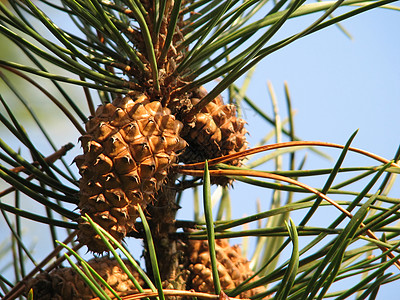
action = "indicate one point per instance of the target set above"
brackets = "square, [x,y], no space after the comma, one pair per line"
[66,283]
[128,148]
[216,131]
[233,268]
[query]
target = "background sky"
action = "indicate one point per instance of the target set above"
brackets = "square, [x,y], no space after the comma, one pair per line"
[340,85]
[337,86]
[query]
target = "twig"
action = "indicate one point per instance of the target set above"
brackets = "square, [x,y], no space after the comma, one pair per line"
[167,292]
[49,159]
[255,150]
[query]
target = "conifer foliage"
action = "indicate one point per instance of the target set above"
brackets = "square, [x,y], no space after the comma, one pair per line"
[158,115]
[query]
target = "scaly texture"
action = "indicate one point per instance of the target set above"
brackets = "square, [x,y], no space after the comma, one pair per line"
[67,284]
[233,268]
[128,148]
[216,131]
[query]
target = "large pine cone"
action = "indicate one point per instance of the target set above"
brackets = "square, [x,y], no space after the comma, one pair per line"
[67,284]
[128,148]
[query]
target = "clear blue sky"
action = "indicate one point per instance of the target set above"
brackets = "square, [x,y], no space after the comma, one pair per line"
[340,85]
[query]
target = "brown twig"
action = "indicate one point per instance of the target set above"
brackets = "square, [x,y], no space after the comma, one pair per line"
[49,159]
[255,150]
[149,293]
[193,169]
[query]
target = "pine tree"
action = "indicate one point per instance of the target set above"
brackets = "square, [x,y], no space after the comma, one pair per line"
[152,123]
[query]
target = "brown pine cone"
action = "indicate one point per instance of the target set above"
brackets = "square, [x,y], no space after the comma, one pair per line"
[67,284]
[233,268]
[128,148]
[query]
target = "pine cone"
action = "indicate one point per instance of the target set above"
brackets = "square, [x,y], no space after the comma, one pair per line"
[128,148]
[233,268]
[214,132]
[66,283]
[217,131]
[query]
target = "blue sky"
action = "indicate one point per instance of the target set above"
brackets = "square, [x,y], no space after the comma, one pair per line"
[340,85]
